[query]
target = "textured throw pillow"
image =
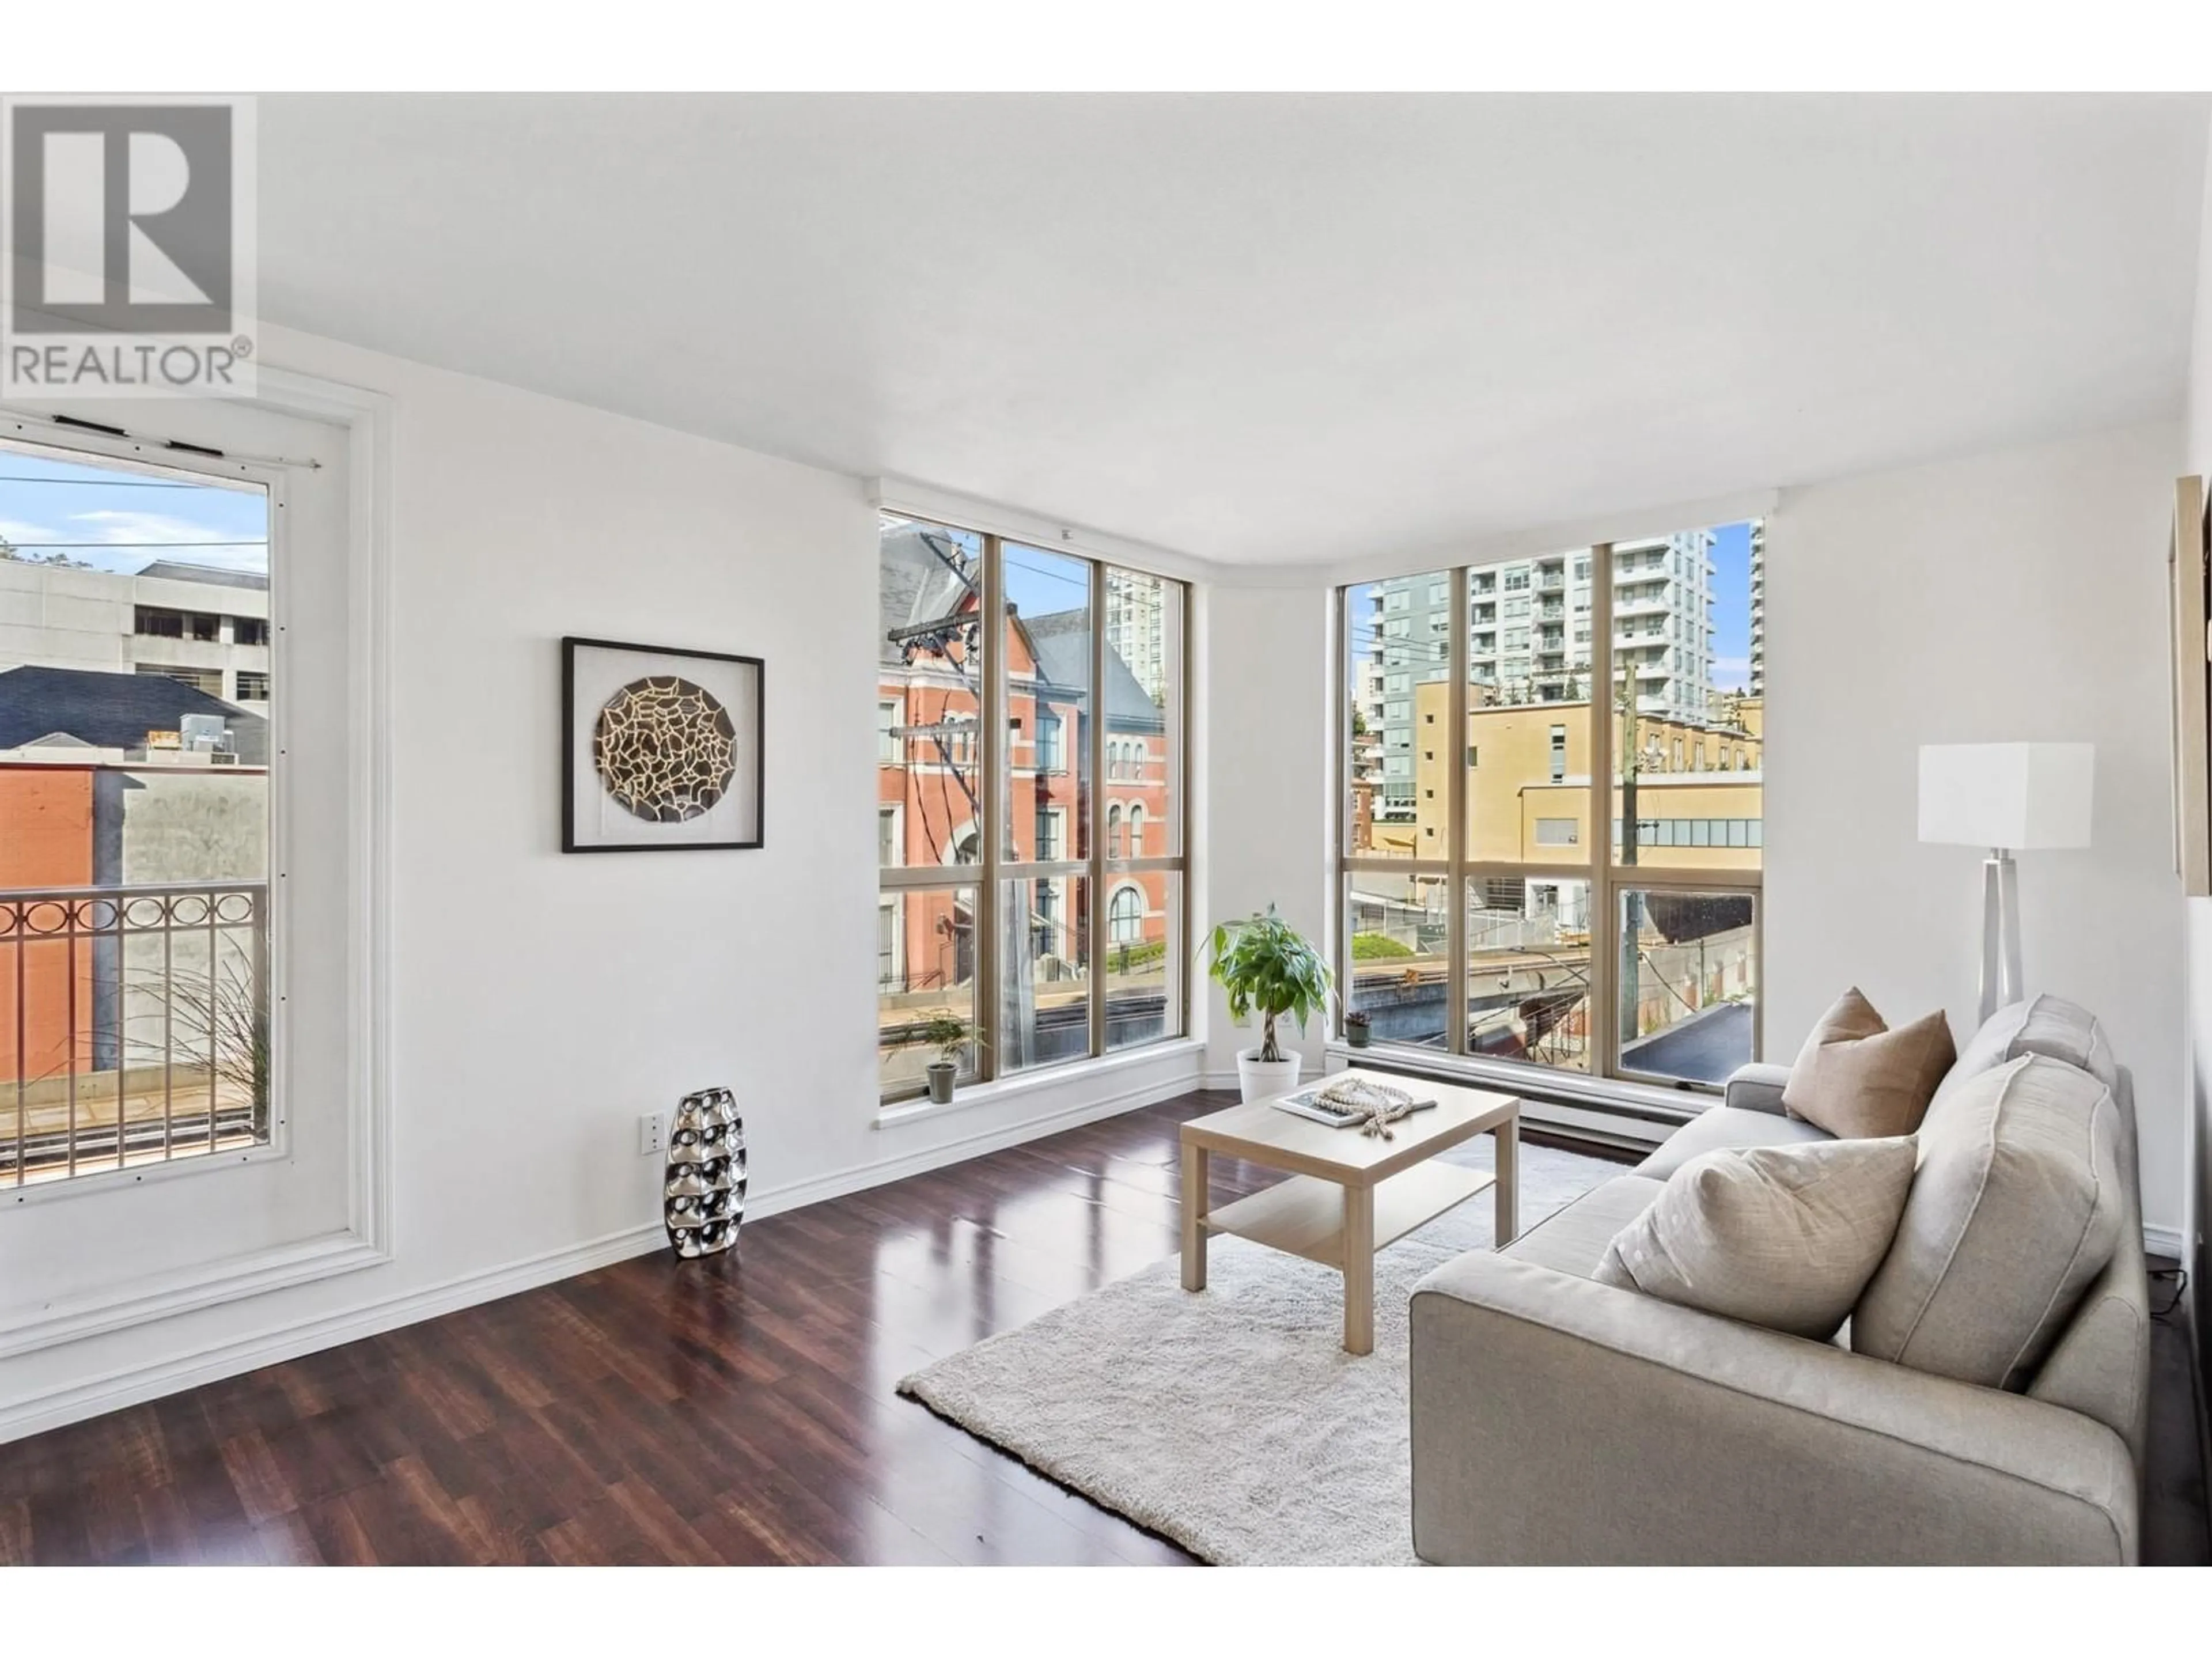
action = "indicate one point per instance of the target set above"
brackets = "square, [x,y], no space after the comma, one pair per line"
[2017,1206]
[1782,1237]
[1856,1077]
[2046,1025]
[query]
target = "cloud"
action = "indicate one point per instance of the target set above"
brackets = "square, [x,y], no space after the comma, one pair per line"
[117,525]
[203,544]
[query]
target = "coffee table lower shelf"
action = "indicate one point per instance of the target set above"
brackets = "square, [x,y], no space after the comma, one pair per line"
[1304,1214]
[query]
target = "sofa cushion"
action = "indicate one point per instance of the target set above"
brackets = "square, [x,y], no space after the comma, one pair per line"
[1574,1239]
[1718,1127]
[1782,1237]
[2045,1024]
[1855,1076]
[2017,1206]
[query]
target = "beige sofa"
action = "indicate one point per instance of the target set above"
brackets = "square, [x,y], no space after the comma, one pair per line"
[1556,1419]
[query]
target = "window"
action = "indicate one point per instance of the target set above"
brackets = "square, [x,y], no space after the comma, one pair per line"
[1014,889]
[891,748]
[205,680]
[249,631]
[136,1003]
[1635,958]
[889,852]
[1125,919]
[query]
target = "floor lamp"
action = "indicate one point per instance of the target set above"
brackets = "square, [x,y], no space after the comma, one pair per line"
[2007,797]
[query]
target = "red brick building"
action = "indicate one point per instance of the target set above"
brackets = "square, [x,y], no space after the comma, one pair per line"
[929,703]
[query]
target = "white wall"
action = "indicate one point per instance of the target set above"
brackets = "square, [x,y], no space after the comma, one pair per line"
[542,1002]
[1266,683]
[2016,595]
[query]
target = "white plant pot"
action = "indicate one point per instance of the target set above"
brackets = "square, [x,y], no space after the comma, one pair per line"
[1267,1080]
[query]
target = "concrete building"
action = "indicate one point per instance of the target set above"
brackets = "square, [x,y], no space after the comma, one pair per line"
[1529,624]
[206,628]
[1759,607]
[1698,788]
[1137,629]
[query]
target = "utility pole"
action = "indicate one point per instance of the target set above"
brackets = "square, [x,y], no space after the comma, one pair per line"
[1626,985]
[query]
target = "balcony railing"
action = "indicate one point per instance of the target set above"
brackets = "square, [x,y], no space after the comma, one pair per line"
[134,1026]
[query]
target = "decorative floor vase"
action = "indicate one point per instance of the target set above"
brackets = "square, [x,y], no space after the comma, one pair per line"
[706,1188]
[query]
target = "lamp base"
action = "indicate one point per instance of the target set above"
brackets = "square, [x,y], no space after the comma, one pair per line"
[2001,975]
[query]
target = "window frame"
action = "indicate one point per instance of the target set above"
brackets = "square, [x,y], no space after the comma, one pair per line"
[1099,872]
[270,477]
[1611,865]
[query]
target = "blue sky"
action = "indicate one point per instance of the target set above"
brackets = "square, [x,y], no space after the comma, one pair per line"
[1039,583]
[117,520]
[1732,607]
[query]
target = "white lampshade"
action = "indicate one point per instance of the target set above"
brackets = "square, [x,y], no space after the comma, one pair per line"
[2011,796]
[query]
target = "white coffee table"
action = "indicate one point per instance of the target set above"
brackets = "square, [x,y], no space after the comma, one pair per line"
[1349,1195]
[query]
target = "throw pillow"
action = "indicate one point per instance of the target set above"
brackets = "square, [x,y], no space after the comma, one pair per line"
[1782,1237]
[2020,1203]
[1855,1077]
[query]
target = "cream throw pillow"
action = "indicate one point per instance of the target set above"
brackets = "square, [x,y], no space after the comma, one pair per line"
[1782,1237]
[1856,1077]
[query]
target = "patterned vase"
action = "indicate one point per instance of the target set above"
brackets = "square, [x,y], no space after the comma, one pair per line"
[706,1189]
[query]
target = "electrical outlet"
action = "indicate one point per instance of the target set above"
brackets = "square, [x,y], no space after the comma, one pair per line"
[651,1130]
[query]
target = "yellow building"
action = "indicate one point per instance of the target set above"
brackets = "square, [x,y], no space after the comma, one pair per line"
[1698,798]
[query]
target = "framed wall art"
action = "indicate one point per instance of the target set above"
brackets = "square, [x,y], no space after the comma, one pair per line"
[660,749]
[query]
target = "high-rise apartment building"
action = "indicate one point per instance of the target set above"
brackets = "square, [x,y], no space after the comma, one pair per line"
[1758,607]
[1529,624]
[1134,610]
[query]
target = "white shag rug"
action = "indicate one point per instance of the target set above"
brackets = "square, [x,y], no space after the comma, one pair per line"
[1231,1420]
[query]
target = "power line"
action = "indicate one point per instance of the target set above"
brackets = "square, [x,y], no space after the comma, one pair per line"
[109,483]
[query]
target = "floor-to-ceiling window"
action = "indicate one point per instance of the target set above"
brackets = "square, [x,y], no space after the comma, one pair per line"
[1491,909]
[1030,802]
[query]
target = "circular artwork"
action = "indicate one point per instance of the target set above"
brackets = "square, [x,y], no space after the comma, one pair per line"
[666,749]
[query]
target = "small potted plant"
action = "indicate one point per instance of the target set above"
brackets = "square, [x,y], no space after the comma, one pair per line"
[950,1035]
[1356,1033]
[1267,968]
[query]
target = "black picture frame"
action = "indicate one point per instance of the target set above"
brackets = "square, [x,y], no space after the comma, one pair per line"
[571,645]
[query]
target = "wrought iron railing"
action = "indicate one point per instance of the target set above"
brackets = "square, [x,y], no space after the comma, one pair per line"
[134,1026]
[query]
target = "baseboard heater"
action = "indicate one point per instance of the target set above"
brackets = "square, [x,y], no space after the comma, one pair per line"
[1612,1116]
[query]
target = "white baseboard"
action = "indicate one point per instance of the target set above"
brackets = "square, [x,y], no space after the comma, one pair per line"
[133,1385]
[2163,1241]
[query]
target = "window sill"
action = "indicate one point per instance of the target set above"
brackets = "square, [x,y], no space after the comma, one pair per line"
[276,1149]
[903,1112]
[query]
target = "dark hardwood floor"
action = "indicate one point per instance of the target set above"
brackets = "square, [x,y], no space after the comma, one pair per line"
[739,1410]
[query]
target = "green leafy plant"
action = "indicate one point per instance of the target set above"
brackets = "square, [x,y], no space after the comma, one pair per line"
[945,1031]
[1371,947]
[1268,968]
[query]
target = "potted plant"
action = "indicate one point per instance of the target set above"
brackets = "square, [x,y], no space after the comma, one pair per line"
[1356,1031]
[1267,968]
[950,1035]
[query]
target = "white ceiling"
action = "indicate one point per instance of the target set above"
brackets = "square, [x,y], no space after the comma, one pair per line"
[1271,329]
